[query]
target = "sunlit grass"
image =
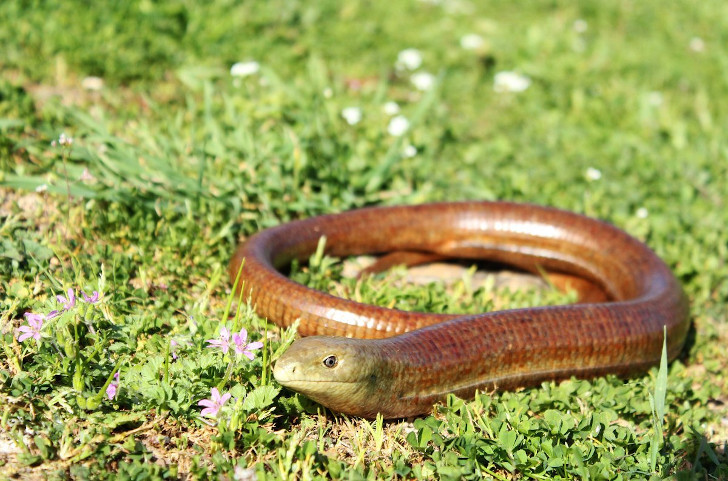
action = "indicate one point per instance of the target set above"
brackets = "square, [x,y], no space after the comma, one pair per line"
[196,124]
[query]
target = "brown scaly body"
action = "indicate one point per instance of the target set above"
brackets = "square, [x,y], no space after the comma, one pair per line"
[431,355]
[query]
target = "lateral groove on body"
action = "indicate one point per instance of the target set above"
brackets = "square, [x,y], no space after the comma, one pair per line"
[431,355]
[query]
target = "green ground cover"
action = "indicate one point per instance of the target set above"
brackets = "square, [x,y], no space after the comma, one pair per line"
[617,111]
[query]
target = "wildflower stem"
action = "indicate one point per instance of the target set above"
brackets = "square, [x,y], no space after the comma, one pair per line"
[58,348]
[87,321]
[236,321]
[102,391]
[226,377]
[75,331]
[228,373]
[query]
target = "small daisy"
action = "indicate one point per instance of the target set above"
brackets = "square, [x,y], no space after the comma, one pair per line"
[391,108]
[409,59]
[510,82]
[244,69]
[423,81]
[352,115]
[398,126]
[593,174]
[471,41]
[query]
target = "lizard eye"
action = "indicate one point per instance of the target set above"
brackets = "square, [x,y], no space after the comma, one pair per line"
[330,361]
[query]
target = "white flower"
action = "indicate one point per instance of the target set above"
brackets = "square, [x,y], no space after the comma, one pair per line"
[352,115]
[642,213]
[391,108]
[244,69]
[41,188]
[409,59]
[409,151]
[593,174]
[92,83]
[580,25]
[697,44]
[423,81]
[471,41]
[510,82]
[398,126]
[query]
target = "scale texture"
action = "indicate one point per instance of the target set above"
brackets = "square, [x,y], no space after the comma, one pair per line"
[400,363]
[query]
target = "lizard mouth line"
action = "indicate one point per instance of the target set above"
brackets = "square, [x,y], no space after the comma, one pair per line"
[317,381]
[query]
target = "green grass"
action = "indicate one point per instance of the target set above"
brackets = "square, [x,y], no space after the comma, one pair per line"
[185,160]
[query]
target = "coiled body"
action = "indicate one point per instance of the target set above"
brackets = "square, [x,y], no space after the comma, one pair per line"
[406,361]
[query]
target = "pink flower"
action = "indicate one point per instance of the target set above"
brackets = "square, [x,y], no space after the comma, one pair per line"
[241,347]
[35,324]
[68,302]
[214,404]
[223,342]
[91,299]
[111,390]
